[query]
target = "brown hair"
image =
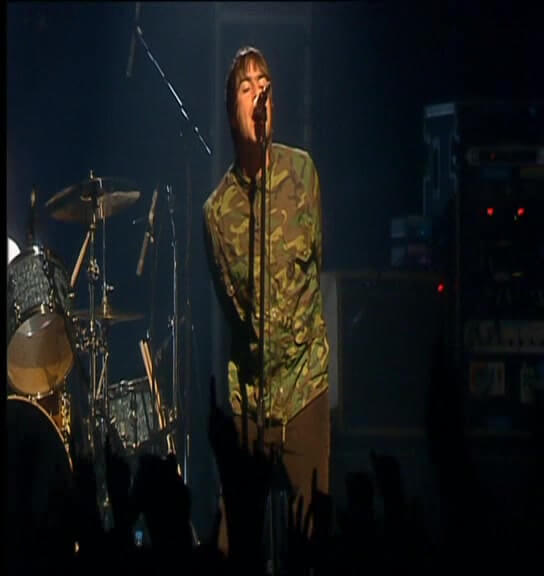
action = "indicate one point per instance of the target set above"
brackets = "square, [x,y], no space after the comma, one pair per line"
[244,56]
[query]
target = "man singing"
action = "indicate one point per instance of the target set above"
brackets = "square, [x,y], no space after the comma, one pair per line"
[296,349]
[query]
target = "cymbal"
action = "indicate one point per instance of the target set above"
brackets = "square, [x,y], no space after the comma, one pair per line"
[108,314]
[75,203]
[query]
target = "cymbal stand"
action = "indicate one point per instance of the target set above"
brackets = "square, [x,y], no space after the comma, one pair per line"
[102,391]
[93,275]
[97,343]
[174,325]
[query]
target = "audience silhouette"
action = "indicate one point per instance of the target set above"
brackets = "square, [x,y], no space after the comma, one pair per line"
[66,531]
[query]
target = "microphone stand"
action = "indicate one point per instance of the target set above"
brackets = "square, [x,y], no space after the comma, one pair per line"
[175,321]
[276,501]
[188,327]
[269,520]
[260,406]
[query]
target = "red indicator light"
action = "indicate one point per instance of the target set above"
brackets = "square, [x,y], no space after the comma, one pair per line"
[490,211]
[440,288]
[521,211]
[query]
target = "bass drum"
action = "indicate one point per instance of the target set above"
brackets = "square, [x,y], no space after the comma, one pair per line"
[40,496]
[40,351]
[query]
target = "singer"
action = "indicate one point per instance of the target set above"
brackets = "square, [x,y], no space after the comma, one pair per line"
[296,350]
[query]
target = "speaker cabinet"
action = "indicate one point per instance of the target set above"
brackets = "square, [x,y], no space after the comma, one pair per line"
[383,328]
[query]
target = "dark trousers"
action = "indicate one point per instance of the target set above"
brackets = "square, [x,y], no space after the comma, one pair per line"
[305,448]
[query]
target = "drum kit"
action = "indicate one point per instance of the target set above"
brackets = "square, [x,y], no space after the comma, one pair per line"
[46,334]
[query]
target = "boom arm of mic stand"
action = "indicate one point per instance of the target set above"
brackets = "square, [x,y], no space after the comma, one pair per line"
[167,82]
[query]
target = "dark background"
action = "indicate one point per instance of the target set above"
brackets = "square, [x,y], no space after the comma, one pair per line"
[372,68]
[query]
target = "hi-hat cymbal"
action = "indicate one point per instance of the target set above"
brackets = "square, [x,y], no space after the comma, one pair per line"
[75,203]
[107,313]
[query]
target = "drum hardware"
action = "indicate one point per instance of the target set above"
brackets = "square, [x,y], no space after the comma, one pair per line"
[145,348]
[45,333]
[106,312]
[166,419]
[93,271]
[132,414]
[91,202]
[96,197]
[58,405]
[66,417]
[159,411]
[17,307]
[41,347]
[93,276]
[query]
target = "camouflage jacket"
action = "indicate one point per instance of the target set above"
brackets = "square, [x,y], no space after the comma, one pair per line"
[296,351]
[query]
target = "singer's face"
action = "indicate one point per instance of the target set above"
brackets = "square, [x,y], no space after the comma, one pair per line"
[251,84]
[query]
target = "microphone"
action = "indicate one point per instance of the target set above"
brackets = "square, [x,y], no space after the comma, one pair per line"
[132,49]
[262,97]
[148,233]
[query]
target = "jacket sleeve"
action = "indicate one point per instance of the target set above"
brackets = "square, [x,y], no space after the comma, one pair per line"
[219,268]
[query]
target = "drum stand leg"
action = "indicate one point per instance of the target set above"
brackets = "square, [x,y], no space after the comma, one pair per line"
[65,416]
[134,416]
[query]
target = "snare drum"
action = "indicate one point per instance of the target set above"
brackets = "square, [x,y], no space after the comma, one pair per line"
[40,354]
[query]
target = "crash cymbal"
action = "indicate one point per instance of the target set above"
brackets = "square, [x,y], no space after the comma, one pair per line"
[75,203]
[107,313]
